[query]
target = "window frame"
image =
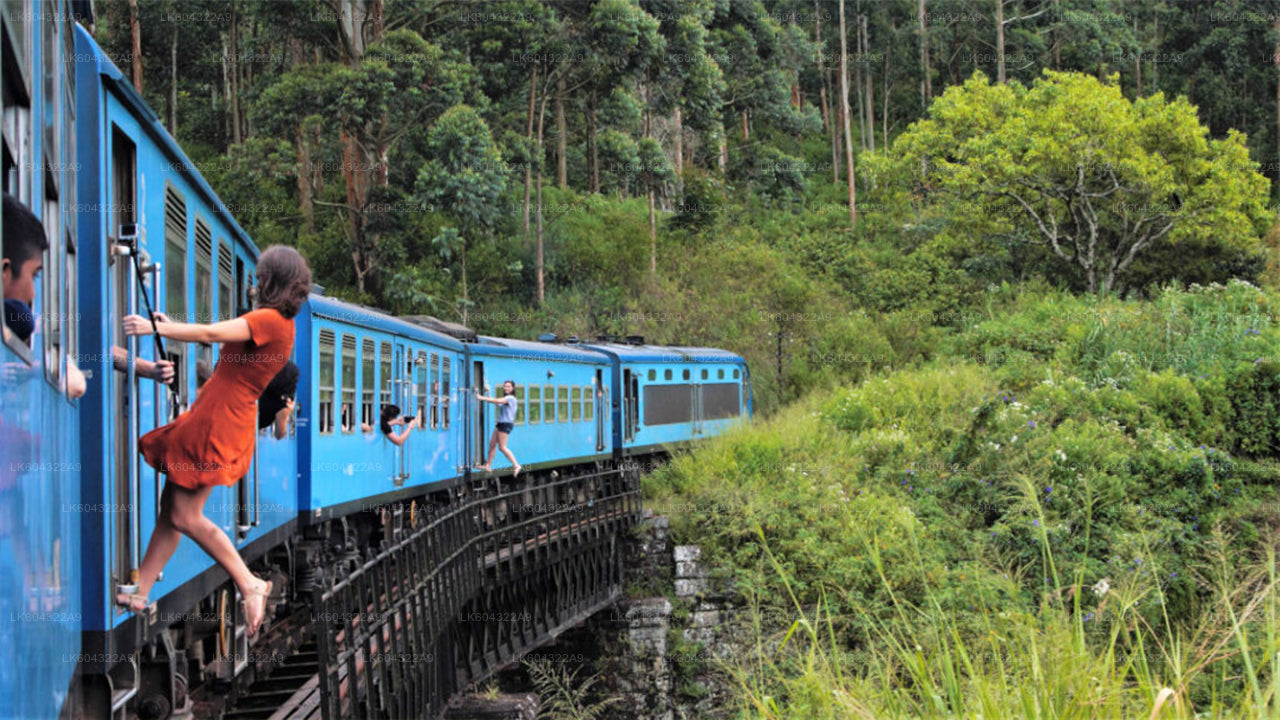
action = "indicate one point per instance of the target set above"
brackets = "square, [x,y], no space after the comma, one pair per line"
[368,391]
[327,341]
[535,404]
[347,401]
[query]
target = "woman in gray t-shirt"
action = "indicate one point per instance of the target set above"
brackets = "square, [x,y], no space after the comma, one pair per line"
[506,422]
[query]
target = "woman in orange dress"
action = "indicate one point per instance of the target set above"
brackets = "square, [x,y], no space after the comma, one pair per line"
[212,443]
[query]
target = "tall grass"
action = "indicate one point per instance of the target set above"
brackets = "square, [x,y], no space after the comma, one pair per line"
[1062,661]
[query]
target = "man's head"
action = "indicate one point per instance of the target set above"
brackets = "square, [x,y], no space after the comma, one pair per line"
[24,246]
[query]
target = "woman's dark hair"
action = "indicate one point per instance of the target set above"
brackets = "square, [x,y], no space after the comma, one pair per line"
[284,280]
[389,413]
[283,385]
[504,384]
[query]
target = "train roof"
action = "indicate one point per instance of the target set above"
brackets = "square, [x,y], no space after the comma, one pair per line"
[156,129]
[505,347]
[667,353]
[374,319]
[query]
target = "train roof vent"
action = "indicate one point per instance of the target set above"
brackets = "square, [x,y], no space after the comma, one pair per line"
[635,339]
[608,338]
[317,289]
[453,330]
[548,338]
[572,340]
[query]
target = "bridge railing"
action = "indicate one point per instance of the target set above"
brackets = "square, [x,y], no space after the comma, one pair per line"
[493,576]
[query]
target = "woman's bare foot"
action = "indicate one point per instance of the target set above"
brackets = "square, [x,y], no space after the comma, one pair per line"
[517,471]
[255,606]
[486,468]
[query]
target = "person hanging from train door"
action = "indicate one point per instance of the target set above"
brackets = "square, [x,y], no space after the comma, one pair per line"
[506,423]
[212,443]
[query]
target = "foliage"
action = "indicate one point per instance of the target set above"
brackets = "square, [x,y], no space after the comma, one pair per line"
[1072,166]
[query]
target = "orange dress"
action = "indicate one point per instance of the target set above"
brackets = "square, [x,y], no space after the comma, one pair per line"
[212,443]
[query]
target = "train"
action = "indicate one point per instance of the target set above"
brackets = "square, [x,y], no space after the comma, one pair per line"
[133,226]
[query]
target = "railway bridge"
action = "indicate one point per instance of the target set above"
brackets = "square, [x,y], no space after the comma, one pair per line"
[467,588]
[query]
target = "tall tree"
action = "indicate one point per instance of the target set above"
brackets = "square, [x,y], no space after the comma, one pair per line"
[1070,165]
[463,176]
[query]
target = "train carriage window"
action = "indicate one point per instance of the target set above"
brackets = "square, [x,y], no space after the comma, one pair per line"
[368,416]
[50,313]
[520,413]
[17,110]
[562,409]
[124,174]
[72,286]
[548,403]
[686,373]
[204,297]
[325,404]
[720,374]
[666,374]
[385,368]
[588,403]
[347,417]
[653,374]
[535,404]
[575,403]
[435,391]
[444,393]
[226,284]
[704,374]
[735,373]
[175,283]
[426,394]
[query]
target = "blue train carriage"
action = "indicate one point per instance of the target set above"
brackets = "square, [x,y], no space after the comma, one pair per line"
[562,394]
[355,361]
[152,229]
[40,468]
[672,396]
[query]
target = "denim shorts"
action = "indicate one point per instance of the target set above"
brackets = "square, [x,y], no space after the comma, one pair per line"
[506,427]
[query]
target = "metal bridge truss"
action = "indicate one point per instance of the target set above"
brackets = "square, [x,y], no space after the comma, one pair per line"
[469,590]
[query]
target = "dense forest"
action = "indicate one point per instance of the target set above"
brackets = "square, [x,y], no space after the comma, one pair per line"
[1005,272]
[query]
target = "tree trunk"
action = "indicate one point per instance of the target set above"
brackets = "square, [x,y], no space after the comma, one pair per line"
[226,88]
[857,84]
[562,138]
[844,102]
[135,37]
[724,148]
[884,100]
[1000,76]
[871,81]
[837,126]
[926,79]
[173,82]
[542,113]
[528,133]
[746,134]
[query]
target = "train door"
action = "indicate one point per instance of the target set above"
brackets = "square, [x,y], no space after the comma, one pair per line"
[629,409]
[477,407]
[122,233]
[696,407]
[401,387]
[601,404]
